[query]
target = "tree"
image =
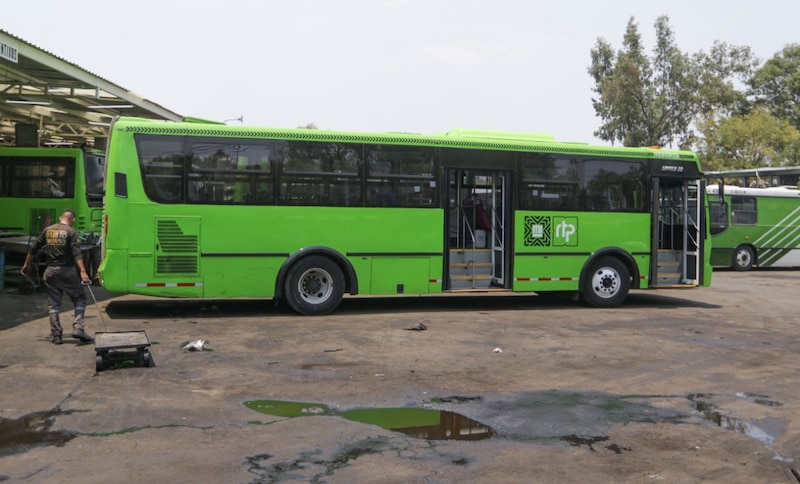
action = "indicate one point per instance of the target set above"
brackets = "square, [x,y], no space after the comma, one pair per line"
[776,85]
[644,101]
[717,74]
[753,140]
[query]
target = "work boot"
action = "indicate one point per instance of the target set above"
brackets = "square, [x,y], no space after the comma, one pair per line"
[57,339]
[81,335]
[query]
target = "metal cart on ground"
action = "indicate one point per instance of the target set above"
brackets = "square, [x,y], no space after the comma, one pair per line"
[115,348]
[119,347]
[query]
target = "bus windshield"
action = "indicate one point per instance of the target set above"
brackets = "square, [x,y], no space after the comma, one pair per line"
[94,169]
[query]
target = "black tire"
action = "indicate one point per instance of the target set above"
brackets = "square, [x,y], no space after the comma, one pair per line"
[314,286]
[743,258]
[147,359]
[99,363]
[606,283]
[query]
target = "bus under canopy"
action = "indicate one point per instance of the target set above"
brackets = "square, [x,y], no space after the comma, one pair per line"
[306,216]
[754,226]
[37,184]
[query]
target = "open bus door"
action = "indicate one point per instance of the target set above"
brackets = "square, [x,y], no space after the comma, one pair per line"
[678,232]
[498,229]
[478,233]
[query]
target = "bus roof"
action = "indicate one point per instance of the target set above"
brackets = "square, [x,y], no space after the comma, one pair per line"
[456,138]
[498,135]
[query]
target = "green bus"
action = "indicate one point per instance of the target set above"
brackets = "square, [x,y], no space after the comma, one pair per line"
[205,210]
[38,183]
[754,226]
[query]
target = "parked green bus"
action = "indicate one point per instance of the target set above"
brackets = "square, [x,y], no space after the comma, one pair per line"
[203,210]
[37,184]
[754,226]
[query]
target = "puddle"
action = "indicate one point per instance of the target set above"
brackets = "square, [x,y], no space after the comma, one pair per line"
[581,419]
[765,432]
[32,430]
[423,423]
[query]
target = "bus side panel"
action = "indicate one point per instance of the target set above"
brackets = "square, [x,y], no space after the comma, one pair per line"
[362,266]
[721,256]
[777,234]
[116,280]
[389,275]
[400,275]
[163,256]
[556,272]
[231,276]
[553,247]
[242,248]
[30,215]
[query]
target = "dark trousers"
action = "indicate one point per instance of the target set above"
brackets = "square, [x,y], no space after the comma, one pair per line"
[60,280]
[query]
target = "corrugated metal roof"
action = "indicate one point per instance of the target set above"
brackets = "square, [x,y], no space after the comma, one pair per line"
[64,102]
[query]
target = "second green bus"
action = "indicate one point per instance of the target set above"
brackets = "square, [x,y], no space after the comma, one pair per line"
[754,226]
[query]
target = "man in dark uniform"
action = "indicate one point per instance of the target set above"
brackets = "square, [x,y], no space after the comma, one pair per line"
[62,246]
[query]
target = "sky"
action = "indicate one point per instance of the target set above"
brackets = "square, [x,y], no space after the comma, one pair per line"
[421,66]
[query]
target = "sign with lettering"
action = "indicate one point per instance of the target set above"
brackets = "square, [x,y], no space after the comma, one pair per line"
[9,52]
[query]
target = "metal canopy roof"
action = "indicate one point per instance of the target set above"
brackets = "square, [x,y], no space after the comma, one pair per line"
[65,103]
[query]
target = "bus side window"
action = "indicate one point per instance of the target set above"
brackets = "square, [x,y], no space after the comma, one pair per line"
[120,185]
[400,177]
[743,211]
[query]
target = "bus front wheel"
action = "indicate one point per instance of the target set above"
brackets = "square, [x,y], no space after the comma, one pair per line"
[314,286]
[743,258]
[606,283]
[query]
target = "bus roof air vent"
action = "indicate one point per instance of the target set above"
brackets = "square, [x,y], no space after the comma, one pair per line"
[488,134]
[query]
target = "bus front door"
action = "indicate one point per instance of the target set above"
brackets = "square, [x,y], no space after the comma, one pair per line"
[477,230]
[677,236]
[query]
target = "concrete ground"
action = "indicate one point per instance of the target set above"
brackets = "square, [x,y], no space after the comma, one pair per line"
[674,386]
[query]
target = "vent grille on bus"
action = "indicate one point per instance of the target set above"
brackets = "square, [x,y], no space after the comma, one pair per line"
[177,251]
[178,264]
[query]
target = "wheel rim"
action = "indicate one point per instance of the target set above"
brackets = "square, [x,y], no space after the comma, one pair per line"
[606,282]
[743,258]
[315,286]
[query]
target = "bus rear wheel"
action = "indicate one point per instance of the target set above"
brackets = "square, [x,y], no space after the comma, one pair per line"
[314,286]
[743,258]
[606,283]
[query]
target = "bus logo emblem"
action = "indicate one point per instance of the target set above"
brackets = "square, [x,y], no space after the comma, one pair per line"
[539,231]
[566,231]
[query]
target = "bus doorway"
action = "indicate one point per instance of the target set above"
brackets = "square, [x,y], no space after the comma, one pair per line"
[677,235]
[478,223]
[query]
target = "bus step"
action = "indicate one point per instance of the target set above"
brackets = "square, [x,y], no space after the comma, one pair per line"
[668,280]
[477,277]
[674,286]
[467,265]
[478,281]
